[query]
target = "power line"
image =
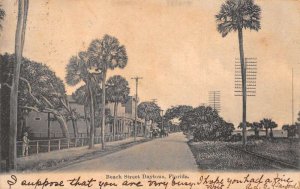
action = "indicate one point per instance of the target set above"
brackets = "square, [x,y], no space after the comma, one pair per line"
[214,100]
[251,73]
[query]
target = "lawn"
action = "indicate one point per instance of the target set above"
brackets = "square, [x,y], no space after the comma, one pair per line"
[217,155]
[287,150]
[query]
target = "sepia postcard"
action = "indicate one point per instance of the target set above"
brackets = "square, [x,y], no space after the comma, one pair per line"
[171,94]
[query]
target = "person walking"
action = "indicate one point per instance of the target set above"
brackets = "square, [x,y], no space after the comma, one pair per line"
[25,144]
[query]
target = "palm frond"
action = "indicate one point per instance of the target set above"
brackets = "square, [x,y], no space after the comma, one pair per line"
[238,14]
[117,89]
[107,53]
[73,72]
[2,15]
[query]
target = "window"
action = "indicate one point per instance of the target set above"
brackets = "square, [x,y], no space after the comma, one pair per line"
[37,118]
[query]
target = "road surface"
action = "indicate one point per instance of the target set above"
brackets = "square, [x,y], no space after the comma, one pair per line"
[163,154]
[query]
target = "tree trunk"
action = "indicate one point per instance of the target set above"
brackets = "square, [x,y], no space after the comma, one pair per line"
[19,43]
[256,132]
[267,132]
[103,110]
[271,133]
[63,125]
[86,121]
[244,87]
[75,129]
[115,119]
[92,116]
[49,126]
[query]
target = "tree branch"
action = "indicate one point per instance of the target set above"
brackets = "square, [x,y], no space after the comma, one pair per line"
[7,85]
[47,101]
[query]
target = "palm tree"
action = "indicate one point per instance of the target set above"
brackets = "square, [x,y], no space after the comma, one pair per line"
[2,15]
[272,125]
[77,71]
[291,130]
[19,44]
[105,54]
[234,16]
[117,92]
[256,126]
[268,124]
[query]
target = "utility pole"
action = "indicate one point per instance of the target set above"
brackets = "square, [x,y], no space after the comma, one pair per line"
[162,121]
[136,99]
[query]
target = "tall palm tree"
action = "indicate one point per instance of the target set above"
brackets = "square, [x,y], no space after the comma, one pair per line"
[2,15]
[117,92]
[236,15]
[19,44]
[77,71]
[105,54]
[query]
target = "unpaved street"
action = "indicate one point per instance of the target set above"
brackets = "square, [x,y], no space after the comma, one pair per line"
[164,154]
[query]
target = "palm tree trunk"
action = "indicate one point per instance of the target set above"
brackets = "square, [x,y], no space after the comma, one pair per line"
[19,43]
[243,72]
[75,129]
[92,116]
[103,110]
[63,125]
[86,121]
[267,132]
[115,119]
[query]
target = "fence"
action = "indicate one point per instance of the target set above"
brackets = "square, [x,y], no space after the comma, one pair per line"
[54,135]
[43,146]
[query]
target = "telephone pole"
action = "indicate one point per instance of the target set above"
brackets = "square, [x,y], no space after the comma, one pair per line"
[162,119]
[136,99]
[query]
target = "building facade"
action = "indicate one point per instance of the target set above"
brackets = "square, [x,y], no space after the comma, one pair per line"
[42,125]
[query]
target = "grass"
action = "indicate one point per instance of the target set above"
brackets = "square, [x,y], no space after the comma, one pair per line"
[217,155]
[287,150]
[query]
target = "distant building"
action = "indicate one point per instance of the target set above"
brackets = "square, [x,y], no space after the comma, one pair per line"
[262,132]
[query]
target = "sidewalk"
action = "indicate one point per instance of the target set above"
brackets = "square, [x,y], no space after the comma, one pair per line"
[60,158]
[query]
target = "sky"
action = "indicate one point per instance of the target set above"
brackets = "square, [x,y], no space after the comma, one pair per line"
[174,46]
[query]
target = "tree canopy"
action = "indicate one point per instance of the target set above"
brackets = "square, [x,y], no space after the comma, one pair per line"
[117,89]
[177,112]
[238,14]
[149,111]
[40,89]
[205,124]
